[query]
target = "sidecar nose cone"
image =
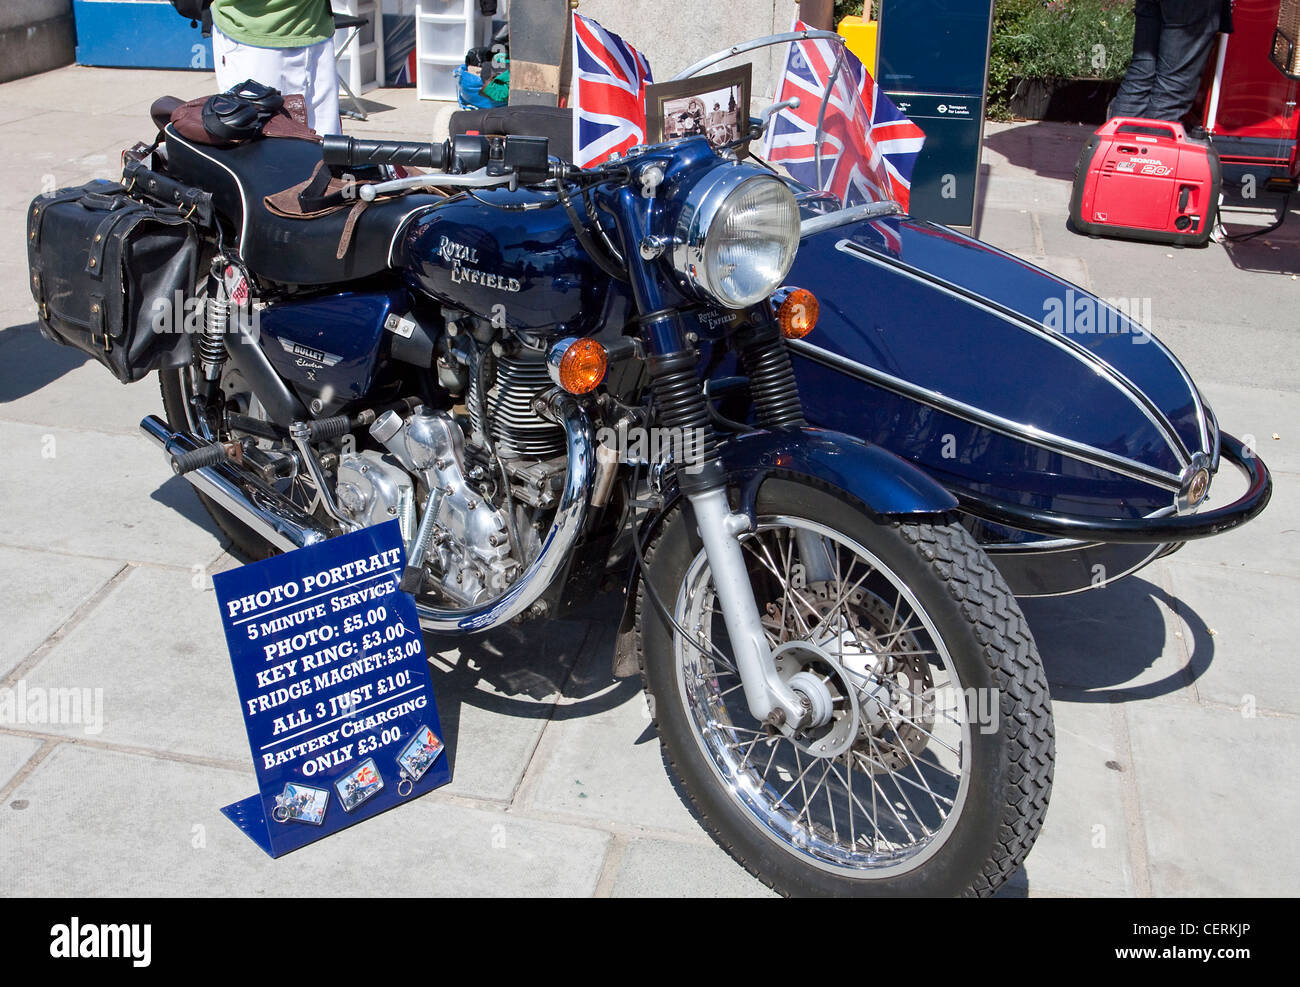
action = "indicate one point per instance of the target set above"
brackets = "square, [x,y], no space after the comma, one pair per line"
[1195,485]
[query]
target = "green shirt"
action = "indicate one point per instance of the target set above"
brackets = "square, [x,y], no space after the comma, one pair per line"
[274,23]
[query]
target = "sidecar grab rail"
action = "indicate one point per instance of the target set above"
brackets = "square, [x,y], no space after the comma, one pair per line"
[763,42]
[842,217]
[1135,531]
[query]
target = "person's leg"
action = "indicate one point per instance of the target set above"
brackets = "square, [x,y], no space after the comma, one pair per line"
[236,63]
[1135,91]
[323,94]
[312,72]
[1190,27]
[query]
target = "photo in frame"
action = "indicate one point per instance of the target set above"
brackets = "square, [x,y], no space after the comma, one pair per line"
[714,105]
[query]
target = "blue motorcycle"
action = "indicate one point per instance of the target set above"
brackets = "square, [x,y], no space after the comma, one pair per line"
[551,376]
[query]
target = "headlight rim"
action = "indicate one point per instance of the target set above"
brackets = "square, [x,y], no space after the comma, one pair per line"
[698,216]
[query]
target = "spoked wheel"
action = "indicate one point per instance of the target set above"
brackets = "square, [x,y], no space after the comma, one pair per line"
[177,390]
[926,765]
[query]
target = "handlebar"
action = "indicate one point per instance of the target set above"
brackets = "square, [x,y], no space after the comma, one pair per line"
[349,152]
[524,157]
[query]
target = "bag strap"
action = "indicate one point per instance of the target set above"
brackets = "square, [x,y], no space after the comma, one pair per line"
[130,213]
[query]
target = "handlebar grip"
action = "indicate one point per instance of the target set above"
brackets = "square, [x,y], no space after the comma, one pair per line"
[349,152]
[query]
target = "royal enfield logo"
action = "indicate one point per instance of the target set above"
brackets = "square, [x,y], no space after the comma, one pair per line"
[460,257]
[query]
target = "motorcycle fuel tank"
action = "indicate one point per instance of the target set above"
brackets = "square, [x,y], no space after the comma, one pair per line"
[519,267]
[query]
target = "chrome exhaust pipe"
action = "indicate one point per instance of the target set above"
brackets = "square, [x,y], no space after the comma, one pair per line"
[556,546]
[247,497]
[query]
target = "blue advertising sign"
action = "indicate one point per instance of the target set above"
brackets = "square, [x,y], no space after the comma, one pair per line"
[334,687]
[933,63]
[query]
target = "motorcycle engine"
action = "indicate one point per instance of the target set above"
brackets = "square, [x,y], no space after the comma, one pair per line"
[469,470]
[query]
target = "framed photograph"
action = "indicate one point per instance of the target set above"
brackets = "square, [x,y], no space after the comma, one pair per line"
[421,752]
[359,784]
[715,105]
[301,804]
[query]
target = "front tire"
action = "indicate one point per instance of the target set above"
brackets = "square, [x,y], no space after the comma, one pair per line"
[956,801]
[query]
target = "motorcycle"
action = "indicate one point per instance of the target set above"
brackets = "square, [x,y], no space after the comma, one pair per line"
[551,376]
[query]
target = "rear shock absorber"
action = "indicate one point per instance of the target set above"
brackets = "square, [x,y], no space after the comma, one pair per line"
[765,359]
[216,323]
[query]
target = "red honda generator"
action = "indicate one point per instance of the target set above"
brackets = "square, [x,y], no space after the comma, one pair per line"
[1146,180]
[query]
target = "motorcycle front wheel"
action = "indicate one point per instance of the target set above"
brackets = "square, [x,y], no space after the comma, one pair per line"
[928,764]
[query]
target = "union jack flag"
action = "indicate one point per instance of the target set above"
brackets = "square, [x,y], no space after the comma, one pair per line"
[609,80]
[868,147]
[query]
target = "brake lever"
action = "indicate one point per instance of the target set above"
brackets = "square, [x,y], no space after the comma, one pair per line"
[475,179]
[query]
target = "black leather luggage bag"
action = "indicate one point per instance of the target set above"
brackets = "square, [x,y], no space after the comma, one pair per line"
[111,276]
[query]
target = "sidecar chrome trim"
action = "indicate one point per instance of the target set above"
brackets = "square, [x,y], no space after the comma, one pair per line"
[1005,426]
[557,545]
[1201,409]
[830,220]
[1101,367]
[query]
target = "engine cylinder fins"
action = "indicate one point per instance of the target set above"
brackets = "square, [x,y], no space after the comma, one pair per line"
[517,429]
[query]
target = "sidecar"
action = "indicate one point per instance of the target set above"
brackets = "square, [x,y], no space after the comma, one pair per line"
[1077,444]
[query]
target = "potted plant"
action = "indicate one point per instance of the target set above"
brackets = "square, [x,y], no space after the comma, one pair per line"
[1060,60]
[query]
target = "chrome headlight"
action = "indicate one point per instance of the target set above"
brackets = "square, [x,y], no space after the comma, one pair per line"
[737,235]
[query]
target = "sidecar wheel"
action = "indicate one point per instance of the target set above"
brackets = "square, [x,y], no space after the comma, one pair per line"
[932,775]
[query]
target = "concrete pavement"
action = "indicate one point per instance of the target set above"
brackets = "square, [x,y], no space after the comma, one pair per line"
[1175,692]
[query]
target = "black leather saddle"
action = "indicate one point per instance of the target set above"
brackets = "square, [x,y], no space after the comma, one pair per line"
[290,251]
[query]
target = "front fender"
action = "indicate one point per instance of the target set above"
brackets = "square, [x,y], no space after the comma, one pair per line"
[859,471]
[885,484]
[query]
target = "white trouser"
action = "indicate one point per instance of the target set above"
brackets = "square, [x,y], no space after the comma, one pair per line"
[309,71]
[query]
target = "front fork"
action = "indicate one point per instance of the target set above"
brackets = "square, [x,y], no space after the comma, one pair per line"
[681,408]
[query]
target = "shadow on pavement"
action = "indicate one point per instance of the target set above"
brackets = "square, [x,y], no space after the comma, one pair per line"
[1047,148]
[1093,643]
[40,362]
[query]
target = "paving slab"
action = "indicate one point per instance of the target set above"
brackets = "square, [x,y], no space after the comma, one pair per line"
[1259,413]
[1011,229]
[109,496]
[103,404]
[166,682]
[1083,848]
[1250,621]
[1121,642]
[14,753]
[601,763]
[42,591]
[169,838]
[665,869]
[1270,543]
[1218,800]
[495,694]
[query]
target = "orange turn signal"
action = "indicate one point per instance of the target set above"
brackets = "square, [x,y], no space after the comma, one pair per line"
[578,365]
[798,313]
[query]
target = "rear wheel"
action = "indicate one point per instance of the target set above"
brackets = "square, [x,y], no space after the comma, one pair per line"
[177,390]
[928,768]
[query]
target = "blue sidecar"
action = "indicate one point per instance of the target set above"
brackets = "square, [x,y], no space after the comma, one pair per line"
[1076,443]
